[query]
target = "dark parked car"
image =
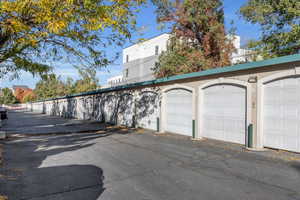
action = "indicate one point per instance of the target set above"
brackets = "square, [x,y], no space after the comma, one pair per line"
[3,113]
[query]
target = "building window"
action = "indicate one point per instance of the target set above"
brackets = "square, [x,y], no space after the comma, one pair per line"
[127,58]
[126,73]
[156,50]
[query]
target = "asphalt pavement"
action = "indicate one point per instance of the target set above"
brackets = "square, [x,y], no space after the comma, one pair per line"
[30,123]
[125,164]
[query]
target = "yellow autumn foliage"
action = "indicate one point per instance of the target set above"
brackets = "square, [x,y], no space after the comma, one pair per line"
[26,24]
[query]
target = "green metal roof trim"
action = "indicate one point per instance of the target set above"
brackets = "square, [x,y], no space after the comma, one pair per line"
[234,68]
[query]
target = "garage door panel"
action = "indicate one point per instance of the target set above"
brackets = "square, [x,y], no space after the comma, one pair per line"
[290,127]
[289,97]
[289,83]
[281,107]
[291,143]
[290,113]
[211,125]
[281,142]
[269,122]
[179,111]
[224,113]
[272,111]
[233,112]
[234,138]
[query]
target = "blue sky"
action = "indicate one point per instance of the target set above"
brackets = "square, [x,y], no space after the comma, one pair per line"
[149,28]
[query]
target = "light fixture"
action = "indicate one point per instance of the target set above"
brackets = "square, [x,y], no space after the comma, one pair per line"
[252,79]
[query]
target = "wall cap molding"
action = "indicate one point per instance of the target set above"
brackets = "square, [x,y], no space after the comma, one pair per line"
[178,86]
[224,81]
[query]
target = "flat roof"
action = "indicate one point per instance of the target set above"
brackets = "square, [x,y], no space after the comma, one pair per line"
[156,36]
[214,71]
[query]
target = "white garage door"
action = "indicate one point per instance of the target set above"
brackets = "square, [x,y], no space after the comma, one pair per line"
[281,114]
[224,113]
[179,111]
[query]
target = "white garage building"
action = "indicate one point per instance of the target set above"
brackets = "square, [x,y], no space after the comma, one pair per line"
[254,103]
[279,99]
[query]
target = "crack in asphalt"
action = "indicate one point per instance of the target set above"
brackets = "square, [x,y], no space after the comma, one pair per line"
[62,192]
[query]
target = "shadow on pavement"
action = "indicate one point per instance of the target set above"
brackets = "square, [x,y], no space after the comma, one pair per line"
[22,176]
[28,123]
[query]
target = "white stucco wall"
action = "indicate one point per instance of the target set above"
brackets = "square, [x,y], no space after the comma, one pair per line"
[146,48]
[145,109]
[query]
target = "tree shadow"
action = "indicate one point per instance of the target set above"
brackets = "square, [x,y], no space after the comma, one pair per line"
[25,176]
[148,109]
[125,110]
[129,108]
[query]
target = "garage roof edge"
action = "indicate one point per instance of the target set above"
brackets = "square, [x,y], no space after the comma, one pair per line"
[220,70]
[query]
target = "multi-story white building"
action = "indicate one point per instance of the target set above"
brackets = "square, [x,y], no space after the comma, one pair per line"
[114,81]
[240,55]
[139,59]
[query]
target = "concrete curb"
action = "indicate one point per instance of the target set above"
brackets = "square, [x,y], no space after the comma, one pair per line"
[159,133]
[197,139]
[254,149]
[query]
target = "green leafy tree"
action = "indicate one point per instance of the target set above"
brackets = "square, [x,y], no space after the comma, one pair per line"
[280,24]
[70,86]
[34,33]
[199,38]
[7,96]
[88,81]
[50,86]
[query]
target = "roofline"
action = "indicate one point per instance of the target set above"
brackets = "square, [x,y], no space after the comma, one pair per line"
[147,39]
[20,86]
[215,71]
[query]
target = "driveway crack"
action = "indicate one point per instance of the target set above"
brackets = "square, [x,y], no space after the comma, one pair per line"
[62,192]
